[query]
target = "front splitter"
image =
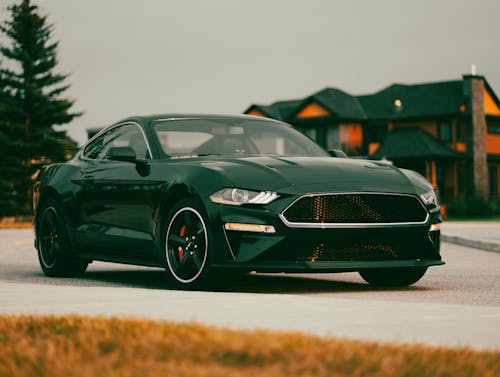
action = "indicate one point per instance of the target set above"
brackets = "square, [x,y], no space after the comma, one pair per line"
[327,266]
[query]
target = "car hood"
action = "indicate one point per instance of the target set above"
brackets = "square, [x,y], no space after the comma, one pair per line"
[312,174]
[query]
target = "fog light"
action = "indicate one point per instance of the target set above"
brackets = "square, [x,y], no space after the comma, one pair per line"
[435,227]
[250,228]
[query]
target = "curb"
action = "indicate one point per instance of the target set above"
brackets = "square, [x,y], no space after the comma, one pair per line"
[487,246]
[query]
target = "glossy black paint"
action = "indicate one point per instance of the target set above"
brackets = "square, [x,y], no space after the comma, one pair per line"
[115,208]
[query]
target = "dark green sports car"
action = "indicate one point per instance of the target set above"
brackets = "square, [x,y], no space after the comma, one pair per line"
[204,195]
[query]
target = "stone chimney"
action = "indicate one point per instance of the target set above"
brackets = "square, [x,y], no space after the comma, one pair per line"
[474,91]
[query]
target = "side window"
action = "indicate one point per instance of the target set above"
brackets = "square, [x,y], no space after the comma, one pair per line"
[94,148]
[121,136]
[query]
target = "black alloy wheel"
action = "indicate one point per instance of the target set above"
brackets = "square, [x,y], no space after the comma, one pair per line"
[54,248]
[393,277]
[187,245]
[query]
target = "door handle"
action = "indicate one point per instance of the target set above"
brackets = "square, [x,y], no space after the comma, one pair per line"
[89,179]
[86,180]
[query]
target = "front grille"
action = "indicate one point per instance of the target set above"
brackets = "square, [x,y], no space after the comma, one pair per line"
[358,208]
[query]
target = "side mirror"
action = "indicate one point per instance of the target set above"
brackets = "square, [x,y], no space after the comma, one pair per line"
[121,154]
[337,153]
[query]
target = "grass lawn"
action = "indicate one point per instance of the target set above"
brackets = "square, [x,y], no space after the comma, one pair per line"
[83,346]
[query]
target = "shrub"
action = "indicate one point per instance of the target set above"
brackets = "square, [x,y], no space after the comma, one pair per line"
[474,207]
[478,207]
[458,208]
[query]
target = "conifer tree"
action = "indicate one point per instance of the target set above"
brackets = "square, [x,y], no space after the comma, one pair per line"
[30,105]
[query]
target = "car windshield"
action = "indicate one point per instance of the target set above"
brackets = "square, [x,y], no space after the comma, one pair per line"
[193,137]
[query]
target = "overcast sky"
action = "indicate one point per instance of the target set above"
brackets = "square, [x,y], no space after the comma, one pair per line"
[157,56]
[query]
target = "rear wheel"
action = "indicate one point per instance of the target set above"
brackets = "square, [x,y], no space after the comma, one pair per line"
[187,245]
[393,277]
[54,246]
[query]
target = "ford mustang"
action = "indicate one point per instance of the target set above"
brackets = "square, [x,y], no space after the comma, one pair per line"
[204,196]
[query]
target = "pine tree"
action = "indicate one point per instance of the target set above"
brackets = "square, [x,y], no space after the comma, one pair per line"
[12,169]
[30,105]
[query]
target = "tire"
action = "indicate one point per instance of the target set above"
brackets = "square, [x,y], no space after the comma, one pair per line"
[187,244]
[393,277]
[55,252]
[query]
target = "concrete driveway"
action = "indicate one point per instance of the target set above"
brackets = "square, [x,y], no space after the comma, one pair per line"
[454,305]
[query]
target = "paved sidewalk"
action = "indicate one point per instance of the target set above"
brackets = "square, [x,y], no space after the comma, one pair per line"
[482,235]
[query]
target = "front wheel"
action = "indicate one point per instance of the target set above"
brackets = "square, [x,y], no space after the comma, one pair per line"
[393,277]
[187,245]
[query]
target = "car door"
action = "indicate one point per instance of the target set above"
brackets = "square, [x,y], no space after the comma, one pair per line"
[118,198]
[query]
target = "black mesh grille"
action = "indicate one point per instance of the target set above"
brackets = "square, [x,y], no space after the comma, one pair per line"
[356,208]
[356,250]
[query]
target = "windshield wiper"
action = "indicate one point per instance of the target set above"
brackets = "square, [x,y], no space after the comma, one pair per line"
[194,155]
[207,154]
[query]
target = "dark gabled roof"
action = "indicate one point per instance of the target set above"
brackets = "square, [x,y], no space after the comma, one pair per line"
[421,100]
[281,110]
[339,103]
[417,101]
[287,108]
[412,142]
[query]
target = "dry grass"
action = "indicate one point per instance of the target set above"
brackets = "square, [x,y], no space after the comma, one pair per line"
[16,225]
[81,346]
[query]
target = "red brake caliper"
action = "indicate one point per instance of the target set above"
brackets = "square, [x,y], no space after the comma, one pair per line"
[180,251]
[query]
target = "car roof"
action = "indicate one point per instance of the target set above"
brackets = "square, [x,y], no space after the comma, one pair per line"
[146,119]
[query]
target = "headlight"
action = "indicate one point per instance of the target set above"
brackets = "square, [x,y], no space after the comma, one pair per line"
[429,198]
[237,197]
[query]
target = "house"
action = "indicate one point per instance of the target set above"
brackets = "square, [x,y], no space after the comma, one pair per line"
[448,131]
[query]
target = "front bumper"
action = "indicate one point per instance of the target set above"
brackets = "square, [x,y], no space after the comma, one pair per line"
[321,250]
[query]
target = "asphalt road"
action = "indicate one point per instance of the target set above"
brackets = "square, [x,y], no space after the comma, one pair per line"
[454,305]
